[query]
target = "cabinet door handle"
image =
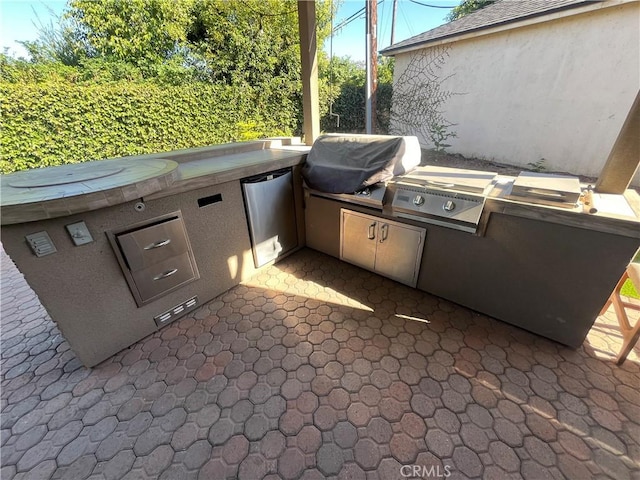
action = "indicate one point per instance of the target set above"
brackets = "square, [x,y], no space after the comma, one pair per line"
[372,231]
[166,274]
[384,231]
[158,244]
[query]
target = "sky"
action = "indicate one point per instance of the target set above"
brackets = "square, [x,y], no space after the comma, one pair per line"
[411,19]
[19,20]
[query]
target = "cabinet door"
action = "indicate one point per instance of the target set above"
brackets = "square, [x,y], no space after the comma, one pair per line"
[358,238]
[399,251]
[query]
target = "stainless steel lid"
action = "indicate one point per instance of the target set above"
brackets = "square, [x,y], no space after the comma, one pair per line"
[546,188]
[473,181]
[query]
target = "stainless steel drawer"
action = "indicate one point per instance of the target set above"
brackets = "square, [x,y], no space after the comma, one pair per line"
[163,276]
[147,246]
[155,256]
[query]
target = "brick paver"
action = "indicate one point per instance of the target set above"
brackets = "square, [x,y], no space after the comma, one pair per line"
[306,371]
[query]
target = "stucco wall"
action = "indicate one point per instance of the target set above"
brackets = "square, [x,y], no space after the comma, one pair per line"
[84,290]
[559,90]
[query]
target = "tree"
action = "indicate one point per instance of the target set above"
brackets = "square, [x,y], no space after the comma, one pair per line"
[342,82]
[466,7]
[251,41]
[137,31]
[233,42]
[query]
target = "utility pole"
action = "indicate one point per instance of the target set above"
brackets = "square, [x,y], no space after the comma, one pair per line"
[393,22]
[372,66]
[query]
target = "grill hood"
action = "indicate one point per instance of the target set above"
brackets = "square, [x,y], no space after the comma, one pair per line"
[341,163]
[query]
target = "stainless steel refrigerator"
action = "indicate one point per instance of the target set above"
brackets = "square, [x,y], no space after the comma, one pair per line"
[271,214]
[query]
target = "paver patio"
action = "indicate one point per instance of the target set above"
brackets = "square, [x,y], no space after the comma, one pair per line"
[316,369]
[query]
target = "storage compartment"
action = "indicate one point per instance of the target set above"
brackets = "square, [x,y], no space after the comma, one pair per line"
[155,257]
[389,248]
[164,276]
[271,214]
[149,245]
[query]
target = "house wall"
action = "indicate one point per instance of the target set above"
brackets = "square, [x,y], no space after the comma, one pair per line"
[557,90]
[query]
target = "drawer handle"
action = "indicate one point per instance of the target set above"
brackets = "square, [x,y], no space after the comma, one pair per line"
[159,244]
[166,274]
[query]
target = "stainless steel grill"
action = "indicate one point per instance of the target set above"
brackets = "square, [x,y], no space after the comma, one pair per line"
[448,197]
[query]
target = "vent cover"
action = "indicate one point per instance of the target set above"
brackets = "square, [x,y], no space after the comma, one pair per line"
[41,244]
[176,311]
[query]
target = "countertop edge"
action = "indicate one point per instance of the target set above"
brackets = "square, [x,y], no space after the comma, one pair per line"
[84,202]
[292,158]
[606,223]
[163,186]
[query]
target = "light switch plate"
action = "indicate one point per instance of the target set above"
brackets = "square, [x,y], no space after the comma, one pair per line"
[79,233]
[41,244]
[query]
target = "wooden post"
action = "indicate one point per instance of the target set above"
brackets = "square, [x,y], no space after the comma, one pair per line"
[373,27]
[372,65]
[624,158]
[309,60]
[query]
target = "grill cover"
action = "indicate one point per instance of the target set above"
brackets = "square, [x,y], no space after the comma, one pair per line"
[348,163]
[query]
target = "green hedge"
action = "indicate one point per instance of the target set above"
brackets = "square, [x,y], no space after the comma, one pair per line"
[52,123]
[350,105]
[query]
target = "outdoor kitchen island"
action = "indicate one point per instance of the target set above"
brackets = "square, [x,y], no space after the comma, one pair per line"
[544,269]
[129,249]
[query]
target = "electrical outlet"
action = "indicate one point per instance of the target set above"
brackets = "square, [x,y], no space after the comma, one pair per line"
[79,233]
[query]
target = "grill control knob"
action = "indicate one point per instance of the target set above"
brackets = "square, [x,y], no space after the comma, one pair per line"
[418,200]
[449,206]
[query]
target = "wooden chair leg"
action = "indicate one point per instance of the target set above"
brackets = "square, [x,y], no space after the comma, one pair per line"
[615,294]
[621,314]
[605,307]
[630,335]
[630,339]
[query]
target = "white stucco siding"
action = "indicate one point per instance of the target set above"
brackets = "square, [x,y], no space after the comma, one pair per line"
[558,90]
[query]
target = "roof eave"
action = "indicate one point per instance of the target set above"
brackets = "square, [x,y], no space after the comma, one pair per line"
[539,17]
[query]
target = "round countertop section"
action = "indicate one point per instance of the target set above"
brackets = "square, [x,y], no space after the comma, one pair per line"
[49,177]
[51,192]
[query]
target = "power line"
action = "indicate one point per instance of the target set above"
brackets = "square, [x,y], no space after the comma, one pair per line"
[384,26]
[349,19]
[428,5]
[406,21]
